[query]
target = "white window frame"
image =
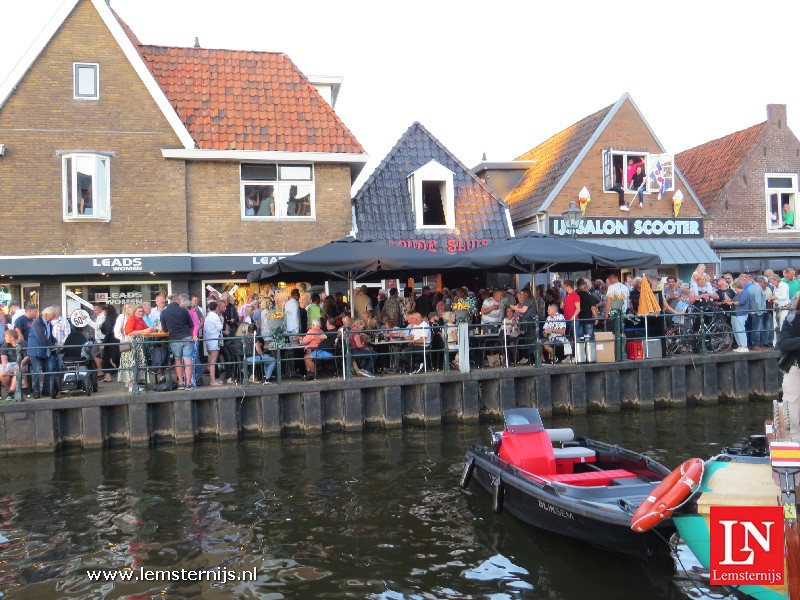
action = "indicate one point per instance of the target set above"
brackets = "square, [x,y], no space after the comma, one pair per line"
[281,189]
[433,172]
[101,191]
[780,191]
[76,67]
[608,168]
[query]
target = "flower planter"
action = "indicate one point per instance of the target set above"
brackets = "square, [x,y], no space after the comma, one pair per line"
[462,314]
[275,323]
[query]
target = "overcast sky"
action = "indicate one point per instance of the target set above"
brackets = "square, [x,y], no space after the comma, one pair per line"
[495,78]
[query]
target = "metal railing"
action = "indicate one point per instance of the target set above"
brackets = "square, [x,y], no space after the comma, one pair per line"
[458,346]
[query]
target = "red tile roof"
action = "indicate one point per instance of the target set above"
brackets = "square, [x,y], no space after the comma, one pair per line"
[242,100]
[553,158]
[710,166]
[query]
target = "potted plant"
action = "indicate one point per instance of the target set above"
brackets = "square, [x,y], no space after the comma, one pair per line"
[463,308]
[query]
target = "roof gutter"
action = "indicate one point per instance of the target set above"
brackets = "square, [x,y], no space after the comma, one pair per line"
[355,160]
[777,245]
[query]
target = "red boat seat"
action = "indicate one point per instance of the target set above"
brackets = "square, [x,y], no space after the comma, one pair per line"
[592,477]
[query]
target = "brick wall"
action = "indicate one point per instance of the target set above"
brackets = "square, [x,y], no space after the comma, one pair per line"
[740,213]
[626,131]
[40,118]
[215,224]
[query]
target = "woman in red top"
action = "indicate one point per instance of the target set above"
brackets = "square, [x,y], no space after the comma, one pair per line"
[134,325]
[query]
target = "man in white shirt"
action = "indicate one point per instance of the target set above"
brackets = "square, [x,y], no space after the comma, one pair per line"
[490,310]
[616,288]
[292,311]
[419,339]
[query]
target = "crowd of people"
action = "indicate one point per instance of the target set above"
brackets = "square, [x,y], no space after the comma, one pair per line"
[387,331]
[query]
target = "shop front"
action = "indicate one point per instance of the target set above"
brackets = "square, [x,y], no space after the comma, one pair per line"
[678,241]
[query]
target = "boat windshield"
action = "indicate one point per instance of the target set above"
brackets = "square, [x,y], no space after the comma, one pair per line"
[523,420]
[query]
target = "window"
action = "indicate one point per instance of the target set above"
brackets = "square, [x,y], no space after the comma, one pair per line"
[272,191]
[634,168]
[781,196]
[86,185]
[86,81]
[431,190]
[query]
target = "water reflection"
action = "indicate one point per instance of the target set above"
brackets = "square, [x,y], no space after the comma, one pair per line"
[378,516]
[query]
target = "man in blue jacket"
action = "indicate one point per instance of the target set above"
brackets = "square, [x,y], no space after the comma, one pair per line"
[41,344]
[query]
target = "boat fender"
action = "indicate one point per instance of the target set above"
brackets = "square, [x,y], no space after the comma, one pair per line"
[668,495]
[466,474]
[497,495]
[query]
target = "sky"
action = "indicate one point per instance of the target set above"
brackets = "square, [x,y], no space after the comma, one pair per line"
[494,78]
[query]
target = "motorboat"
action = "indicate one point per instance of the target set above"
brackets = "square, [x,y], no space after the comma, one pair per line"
[576,487]
[763,472]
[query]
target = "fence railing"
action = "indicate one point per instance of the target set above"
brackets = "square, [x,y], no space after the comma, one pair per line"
[449,347]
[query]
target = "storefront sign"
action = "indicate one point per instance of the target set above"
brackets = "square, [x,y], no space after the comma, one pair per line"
[118,264]
[637,228]
[83,265]
[233,262]
[452,246]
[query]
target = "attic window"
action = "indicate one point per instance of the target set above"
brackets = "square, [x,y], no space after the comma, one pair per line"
[86,81]
[431,190]
[433,194]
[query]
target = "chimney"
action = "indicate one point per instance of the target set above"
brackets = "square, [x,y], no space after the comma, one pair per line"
[197,45]
[776,114]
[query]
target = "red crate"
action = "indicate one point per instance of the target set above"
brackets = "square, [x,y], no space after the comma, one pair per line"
[635,350]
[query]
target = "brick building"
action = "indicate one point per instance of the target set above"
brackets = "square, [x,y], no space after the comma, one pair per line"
[592,153]
[745,180]
[128,167]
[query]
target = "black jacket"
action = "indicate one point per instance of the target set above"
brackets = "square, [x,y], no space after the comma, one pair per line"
[789,337]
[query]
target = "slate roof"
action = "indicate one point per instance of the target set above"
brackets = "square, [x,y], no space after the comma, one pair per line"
[553,159]
[244,100]
[383,205]
[710,166]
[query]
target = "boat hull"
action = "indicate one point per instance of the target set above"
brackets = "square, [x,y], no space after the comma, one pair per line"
[599,516]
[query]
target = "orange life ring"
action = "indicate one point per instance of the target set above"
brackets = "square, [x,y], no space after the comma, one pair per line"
[668,495]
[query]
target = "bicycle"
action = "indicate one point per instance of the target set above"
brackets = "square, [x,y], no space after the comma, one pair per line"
[698,325]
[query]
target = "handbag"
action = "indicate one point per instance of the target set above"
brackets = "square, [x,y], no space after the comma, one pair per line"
[125,347]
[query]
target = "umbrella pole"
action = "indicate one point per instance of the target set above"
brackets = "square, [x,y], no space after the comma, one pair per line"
[505,340]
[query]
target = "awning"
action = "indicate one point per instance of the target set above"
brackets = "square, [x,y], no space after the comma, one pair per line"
[681,251]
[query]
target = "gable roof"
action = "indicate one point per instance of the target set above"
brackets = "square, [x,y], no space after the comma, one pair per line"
[558,157]
[242,100]
[710,166]
[11,82]
[383,206]
[218,99]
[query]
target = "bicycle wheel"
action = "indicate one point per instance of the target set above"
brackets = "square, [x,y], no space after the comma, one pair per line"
[676,341]
[719,337]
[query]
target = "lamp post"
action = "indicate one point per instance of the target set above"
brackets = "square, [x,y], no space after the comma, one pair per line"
[572,218]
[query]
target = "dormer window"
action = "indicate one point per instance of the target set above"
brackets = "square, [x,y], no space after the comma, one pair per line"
[431,190]
[86,81]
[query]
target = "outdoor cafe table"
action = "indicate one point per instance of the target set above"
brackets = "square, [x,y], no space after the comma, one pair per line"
[294,350]
[392,347]
[480,343]
[153,336]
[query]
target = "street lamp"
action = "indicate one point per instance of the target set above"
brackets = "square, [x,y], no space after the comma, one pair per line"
[572,218]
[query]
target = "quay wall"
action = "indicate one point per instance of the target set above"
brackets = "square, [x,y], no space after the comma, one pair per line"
[432,399]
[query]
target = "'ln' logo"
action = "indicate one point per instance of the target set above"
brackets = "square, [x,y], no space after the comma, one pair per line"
[746,545]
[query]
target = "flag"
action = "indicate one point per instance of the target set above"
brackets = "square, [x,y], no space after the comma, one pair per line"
[657,175]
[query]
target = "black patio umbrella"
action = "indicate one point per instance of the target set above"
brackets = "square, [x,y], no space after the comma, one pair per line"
[350,259]
[536,252]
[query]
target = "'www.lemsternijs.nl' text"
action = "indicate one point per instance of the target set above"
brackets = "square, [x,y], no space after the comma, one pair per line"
[142,574]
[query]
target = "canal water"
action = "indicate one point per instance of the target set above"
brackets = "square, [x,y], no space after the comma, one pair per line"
[342,516]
